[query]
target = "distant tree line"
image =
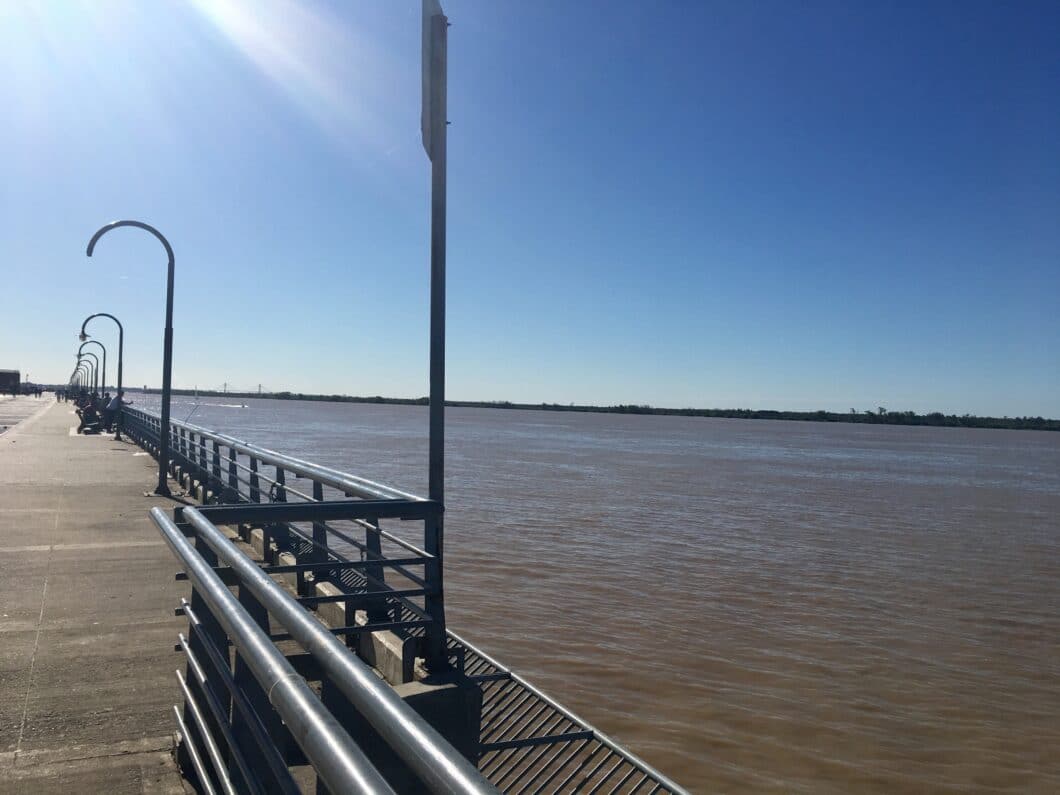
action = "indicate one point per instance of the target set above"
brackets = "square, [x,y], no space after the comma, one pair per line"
[878,416]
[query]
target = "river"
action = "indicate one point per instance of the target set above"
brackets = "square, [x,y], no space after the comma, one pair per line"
[752,606]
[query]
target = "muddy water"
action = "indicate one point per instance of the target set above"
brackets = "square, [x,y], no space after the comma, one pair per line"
[752,606]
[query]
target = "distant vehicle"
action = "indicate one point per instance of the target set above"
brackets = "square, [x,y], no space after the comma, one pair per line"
[10,382]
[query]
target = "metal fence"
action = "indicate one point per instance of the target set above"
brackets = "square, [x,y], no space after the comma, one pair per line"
[353,571]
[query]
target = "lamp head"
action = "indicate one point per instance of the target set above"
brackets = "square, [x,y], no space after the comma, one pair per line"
[82,336]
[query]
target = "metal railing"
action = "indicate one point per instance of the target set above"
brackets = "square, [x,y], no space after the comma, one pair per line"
[216,467]
[217,619]
[337,553]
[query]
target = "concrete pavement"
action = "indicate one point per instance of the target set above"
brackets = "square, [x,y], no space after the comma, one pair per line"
[15,409]
[86,615]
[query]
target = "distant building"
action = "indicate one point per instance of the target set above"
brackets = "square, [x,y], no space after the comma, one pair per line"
[10,382]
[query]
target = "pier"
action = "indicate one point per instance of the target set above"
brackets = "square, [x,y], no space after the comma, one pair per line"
[276,626]
[86,612]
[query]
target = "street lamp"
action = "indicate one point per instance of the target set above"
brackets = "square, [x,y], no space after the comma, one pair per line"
[121,346]
[103,372]
[167,344]
[91,369]
[81,374]
[95,368]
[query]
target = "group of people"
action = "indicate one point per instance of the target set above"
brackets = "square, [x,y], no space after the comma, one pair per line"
[97,413]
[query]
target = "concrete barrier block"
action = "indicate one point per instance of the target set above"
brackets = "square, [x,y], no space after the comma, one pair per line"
[289,577]
[390,654]
[331,613]
[257,541]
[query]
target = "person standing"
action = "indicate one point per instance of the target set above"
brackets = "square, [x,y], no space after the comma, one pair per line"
[113,406]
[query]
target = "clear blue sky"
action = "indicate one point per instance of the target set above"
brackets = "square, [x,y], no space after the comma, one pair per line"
[761,204]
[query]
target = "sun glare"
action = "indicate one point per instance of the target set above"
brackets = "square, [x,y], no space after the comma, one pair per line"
[334,76]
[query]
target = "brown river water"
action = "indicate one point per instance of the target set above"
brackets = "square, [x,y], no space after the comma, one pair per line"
[752,606]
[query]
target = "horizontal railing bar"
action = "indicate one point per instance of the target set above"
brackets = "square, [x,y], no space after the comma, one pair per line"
[440,766]
[204,732]
[360,595]
[348,484]
[357,629]
[335,756]
[343,564]
[221,717]
[415,550]
[374,557]
[193,752]
[331,510]
[225,573]
[267,748]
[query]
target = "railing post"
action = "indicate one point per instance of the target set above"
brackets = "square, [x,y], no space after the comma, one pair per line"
[256,696]
[319,553]
[255,484]
[375,607]
[208,632]
[216,464]
[277,532]
[281,480]
[434,652]
[233,476]
[194,738]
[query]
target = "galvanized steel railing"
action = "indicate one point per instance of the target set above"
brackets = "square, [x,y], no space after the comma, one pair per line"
[218,619]
[216,467]
[528,741]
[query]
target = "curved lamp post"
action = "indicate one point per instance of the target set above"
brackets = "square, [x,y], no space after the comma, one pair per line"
[121,346]
[90,366]
[167,344]
[85,377]
[103,372]
[95,368]
[79,373]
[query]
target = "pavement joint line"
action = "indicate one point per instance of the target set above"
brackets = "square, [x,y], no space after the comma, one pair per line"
[40,625]
[73,626]
[32,664]
[81,547]
[47,756]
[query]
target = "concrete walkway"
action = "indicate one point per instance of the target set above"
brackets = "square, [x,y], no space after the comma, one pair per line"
[15,409]
[86,615]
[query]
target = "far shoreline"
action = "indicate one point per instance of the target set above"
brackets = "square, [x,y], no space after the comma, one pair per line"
[881,416]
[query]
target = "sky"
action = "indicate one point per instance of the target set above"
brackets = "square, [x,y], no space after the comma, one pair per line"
[813,205]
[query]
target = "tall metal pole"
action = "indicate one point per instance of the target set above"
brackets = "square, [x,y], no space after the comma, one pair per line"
[162,488]
[121,348]
[103,374]
[436,466]
[434,123]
